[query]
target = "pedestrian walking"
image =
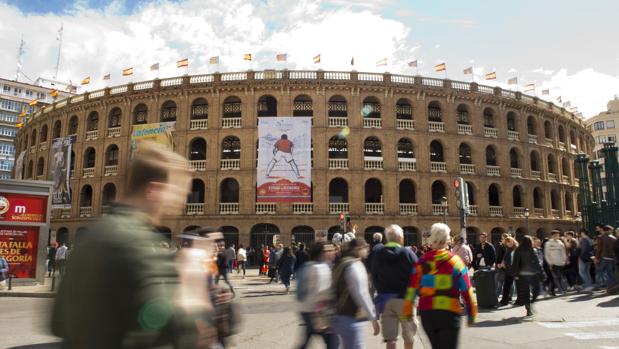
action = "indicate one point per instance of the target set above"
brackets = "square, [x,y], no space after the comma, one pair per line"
[440,279]
[571,268]
[539,255]
[584,260]
[61,258]
[223,266]
[302,257]
[390,270]
[501,274]
[462,250]
[266,255]
[556,257]
[525,268]
[241,258]
[230,255]
[605,257]
[286,267]
[315,295]
[353,304]
[51,259]
[510,244]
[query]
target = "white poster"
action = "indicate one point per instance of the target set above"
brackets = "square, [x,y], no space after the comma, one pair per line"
[284,160]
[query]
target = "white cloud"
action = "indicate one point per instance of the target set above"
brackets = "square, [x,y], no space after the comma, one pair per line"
[541,70]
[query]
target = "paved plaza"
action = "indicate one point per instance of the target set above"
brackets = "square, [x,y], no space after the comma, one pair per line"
[271,321]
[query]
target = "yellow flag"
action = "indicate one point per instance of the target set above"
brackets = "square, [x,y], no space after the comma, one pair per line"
[33,103]
[128,71]
[86,80]
[247,56]
[317,59]
[54,93]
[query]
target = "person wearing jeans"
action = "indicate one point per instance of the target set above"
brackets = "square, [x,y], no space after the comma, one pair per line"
[556,257]
[584,260]
[605,257]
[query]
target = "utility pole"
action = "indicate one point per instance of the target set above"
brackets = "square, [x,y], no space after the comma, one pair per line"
[59,38]
[20,53]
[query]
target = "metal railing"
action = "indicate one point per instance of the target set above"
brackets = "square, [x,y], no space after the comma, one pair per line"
[408,209]
[338,207]
[228,208]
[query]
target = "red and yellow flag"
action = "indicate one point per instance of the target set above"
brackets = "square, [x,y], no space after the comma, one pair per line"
[491,76]
[86,80]
[440,67]
[33,102]
[54,93]
[128,71]
[247,56]
[182,63]
[316,59]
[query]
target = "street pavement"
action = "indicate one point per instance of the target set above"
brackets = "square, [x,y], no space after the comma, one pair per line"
[271,321]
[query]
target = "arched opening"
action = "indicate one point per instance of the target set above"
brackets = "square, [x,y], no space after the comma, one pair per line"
[262,234]
[333,230]
[197,149]
[338,190]
[72,164]
[569,203]
[57,129]
[434,112]
[199,109]
[489,118]
[109,194]
[40,166]
[111,155]
[140,114]
[338,107]
[33,138]
[471,191]
[403,109]
[552,164]
[411,236]
[535,165]
[231,235]
[573,146]
[511,122]
[168,111]
[406,151]
[531,125]
[267,106]
[73,124]
[514,159]
[114,118]
[538,198]
[517,196]
[491,156]
[372,148]
[92,123]
[370,231]
[86,196]
[462,115]
[495,235]
[196,196]
[338,148]
[373,191]
[371,108]
[229,191]
[554,200]
[407,192]
[561,134]
[548,129]
[565,168]
[438,192]
[43,136]
[303,106]
[89,158]
[493,195]
[464,154]
[303,234]
[231,148]
[30,169]
[62,235]
[436,152]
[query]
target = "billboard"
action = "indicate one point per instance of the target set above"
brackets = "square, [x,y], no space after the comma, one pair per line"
[159,132]
[284,160]
[19,245]
[60,170]
[22,208]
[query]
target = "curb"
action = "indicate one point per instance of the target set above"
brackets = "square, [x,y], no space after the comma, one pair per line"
[28,294]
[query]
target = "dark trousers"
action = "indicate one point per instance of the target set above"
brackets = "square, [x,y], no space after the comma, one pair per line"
[527,285]
[241,266]
[442,328]
[330,338]
[558,277]
[507,287]
[224,275]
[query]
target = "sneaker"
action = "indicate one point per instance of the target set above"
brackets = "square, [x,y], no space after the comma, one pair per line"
[587,289]
[528,318]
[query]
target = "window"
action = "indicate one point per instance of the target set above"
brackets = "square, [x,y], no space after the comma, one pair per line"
[28,93]
[4,117]
[598,125]
[6,131]
[10,105]
[6,88]
[610,124]
[612,138]
[601,139]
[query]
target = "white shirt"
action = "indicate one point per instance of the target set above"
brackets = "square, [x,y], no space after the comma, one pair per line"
[317,280]
[357,281]
[61,253]
[241,256]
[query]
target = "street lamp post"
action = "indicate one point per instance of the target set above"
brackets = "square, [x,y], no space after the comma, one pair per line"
[444,203]
[526,216]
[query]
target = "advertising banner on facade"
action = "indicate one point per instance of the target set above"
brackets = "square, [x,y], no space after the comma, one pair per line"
[19,165]
[60,171]
[284,160]
[22,208]
[159,132]
[19,245]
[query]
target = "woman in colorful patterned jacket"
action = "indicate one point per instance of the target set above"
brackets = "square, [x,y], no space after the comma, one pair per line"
[440,278]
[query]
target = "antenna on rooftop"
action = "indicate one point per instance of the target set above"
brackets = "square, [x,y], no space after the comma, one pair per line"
[59,39]
[20,53]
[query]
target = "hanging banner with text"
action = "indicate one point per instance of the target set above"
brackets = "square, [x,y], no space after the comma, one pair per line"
[284,159]
[60,171]
[19,245]
[159,132]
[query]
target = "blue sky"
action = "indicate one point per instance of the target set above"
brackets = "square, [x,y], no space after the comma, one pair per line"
[567,46]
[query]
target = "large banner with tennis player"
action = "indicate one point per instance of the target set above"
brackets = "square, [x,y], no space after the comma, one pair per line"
[284,160]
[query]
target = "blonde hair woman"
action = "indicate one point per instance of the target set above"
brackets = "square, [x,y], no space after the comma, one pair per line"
[510,246]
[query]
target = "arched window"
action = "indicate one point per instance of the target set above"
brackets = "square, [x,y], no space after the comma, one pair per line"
[573,141]
[57,129]
[140,114]
[338,107]
[471,191]
[407,192]
[535,164]
[86,196]
[197,149]
[196,196]
[371,108]
[538,198]
[114,118]
[73,123]
[168,111]
[411,236]
[565,167]
[517,196]
[229,191]
[438,192]
[43,136]
[569,203]
[29,169]
[405,149]
[403,109]
[89,158]
[338,148]
[464,154]
[303,106]
[108,195]
[111,155]
[493,195]
[267,106]
[434,112]
[372,148]
[552,164]
[462,115]
[554,199]
[231,148]
[491,156]
[40,166]
[511,121]
[303,234]
[199,109]
[373,191]
[531,125]
[514,159]
[548,129]
[338,191]
[436,152]
[262,234]
[489,118]
[33,138]
[561,134]
[92,123]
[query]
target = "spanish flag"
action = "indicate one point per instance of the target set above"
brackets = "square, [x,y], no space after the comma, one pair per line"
[316,59]
[529,88]
[281,57]
[128,71]
[247,56]
[213,60]
[440,67]
[54,93]
[468,71]
[182,63]
[86,80]
[491,76]
[382,62]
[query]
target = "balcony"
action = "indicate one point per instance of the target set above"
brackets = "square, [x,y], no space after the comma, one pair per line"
[532,139]
[552,177]
[548,142]
[491,132]
[436,166]
[565,179]
[33,149]
[467,169]
[562,146]
[438,209]
[372,123]
[434,126]
[338,164]
[231,123]
[88,172]
[194,209]
[519,211]
[228,208]
[495,211]
[302,208]
[338,207]
[113,132]
[569,213]
[516,172]
[42,146]
[338,121]
[407,164]
[373,164]
[536,174]
[111,170]
[473,210]
[199,124]
[513,135]
[40,177]
[493,170]
[408,209]
[538,212]
[65,213]
[374,208]
[230,164]
[266,208]
[197,165]
[405,124]
[85,211]
[464,129]
[92,135]
[556,214]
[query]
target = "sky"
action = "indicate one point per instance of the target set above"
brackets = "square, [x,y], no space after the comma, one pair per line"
[566,46]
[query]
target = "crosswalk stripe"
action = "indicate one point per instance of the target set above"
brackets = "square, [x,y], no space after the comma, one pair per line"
[580,324]
[594,335]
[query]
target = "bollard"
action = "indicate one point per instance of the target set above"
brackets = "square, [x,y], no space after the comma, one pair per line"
[53,282]
[11,281]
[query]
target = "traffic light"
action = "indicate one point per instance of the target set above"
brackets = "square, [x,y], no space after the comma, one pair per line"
[462,194]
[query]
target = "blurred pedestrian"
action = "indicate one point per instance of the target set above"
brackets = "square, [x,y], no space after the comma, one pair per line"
[510,244]
[525,268]
[605,257]
[441,279]
[584,260]
[556,257]
[390,270]
[61,258]
[230,256]
[462,249]
[223,266]
[353,304]
[51,259]
[241,258]
[286,267]
[302,256]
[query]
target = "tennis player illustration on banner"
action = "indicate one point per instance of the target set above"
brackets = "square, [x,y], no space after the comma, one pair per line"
[282,150]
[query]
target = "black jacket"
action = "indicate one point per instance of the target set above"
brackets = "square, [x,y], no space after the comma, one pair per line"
[524,261]
[391,267]
[487,252]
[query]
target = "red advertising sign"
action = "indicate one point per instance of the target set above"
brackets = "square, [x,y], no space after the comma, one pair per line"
[22,208]
[284,191]
[19,245]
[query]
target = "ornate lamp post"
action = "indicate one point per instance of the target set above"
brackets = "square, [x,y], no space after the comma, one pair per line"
[526,216]
[444,203]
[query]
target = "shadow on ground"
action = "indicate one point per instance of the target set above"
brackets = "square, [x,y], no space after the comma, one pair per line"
[56,345]
[498,323]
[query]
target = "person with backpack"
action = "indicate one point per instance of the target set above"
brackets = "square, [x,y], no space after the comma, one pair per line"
[315,295]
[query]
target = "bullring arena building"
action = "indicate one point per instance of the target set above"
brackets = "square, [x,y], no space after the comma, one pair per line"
[385,149]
